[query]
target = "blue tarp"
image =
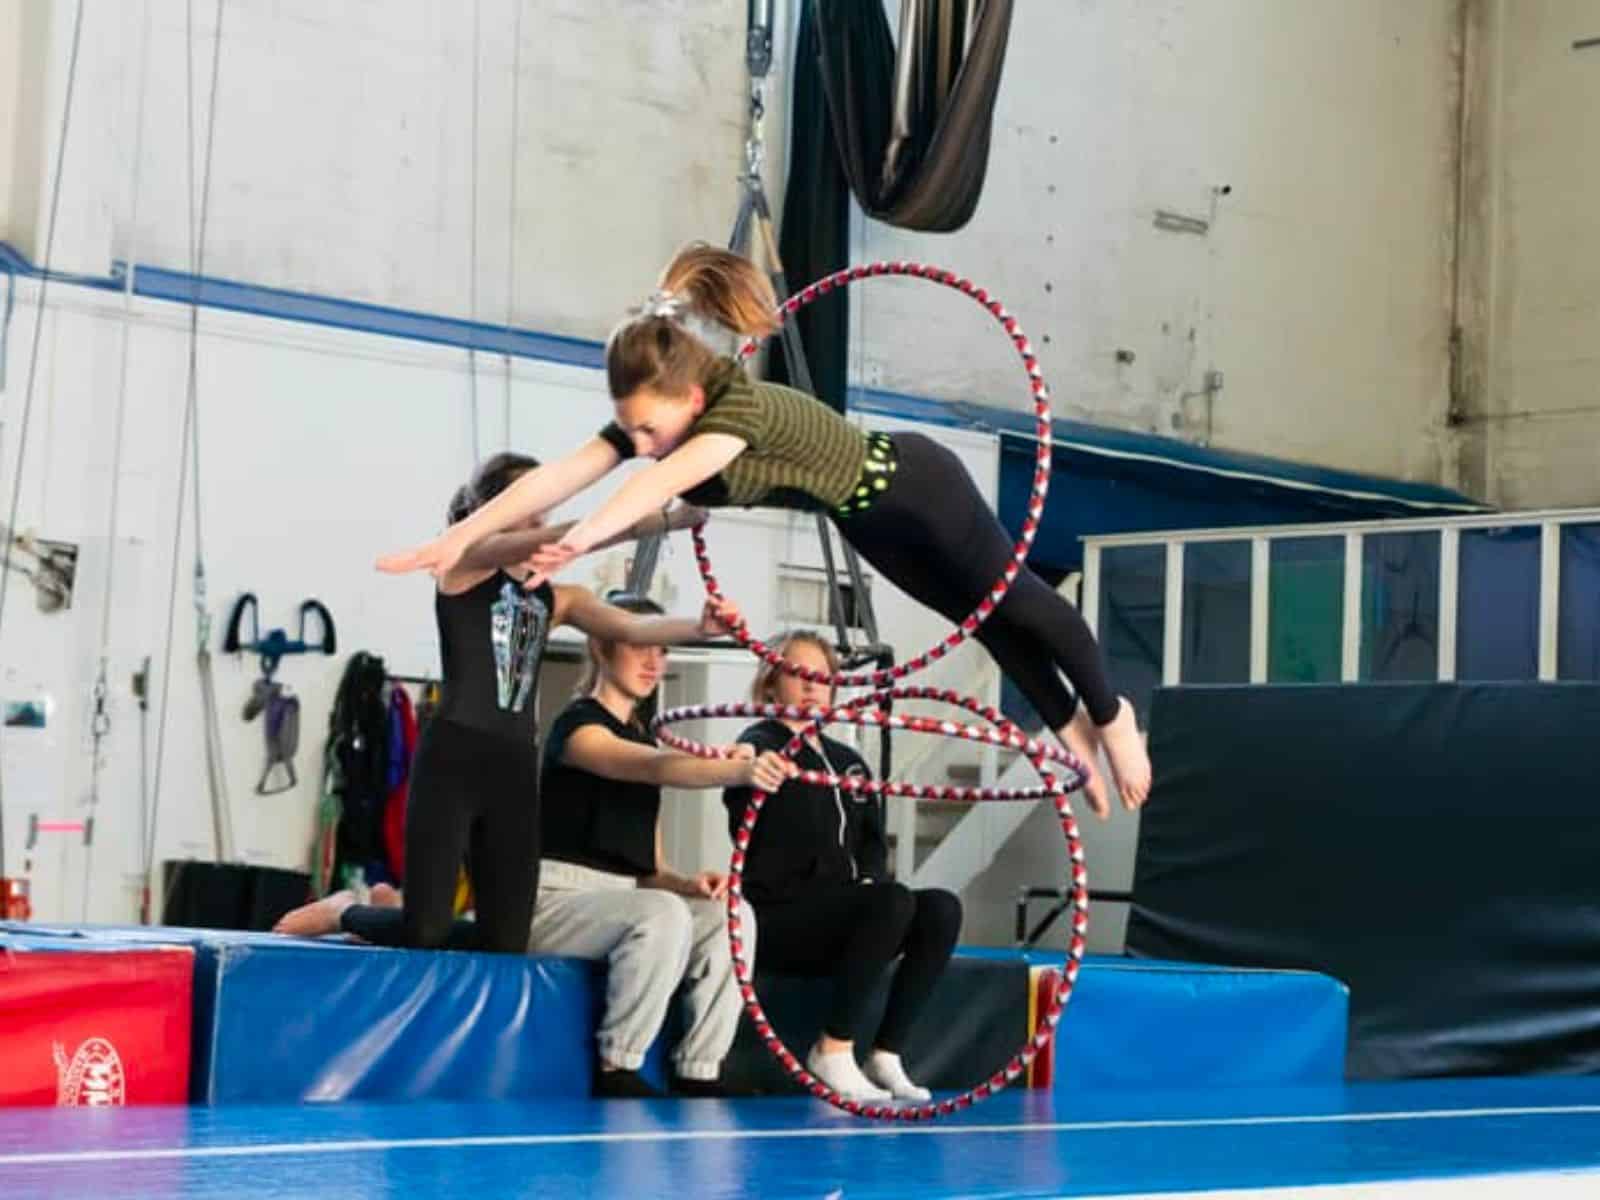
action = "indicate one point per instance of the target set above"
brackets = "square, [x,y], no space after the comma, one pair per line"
[1433,845]
[1109,481]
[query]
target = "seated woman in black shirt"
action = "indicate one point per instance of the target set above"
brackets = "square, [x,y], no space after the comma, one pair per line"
[607,891]
[815,874]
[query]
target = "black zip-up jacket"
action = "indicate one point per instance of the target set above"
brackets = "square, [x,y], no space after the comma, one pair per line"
[809,836]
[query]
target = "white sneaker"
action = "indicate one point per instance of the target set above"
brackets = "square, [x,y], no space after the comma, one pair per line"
[886,1070]
[839,1071]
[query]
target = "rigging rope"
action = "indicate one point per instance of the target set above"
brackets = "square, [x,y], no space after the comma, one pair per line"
[33,362]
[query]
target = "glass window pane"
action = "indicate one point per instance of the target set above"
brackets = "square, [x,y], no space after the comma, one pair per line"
[1216,613]
[1305,600]
[1578,630]
[1133,595]
[1497,609]
[1400,606]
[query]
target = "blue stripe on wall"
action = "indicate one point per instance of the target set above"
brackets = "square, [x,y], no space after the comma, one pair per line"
[1071,438]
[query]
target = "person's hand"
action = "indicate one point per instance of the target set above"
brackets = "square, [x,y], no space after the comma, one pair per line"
[769,771]
[709,885]
[436,557]
[547,560]
[718,618]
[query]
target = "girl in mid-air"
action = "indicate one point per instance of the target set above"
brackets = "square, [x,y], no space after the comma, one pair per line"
[904,502]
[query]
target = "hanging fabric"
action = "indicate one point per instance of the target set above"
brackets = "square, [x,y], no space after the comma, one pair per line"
[403,731]
[815,238]
[325,843]
[428,703]
[907,131]
[912,125]
[356,769]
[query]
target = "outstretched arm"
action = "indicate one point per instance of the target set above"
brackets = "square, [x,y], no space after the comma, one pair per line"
[597,750]
[509,549]
[697,460]
[584,610]
[535,492]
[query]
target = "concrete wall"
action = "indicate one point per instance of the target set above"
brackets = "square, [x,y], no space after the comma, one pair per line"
[1531,407]
[343,153]
[1319,293]
[1321,288]
[26,29]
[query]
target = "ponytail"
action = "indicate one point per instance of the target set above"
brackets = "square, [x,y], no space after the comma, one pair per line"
[660,345]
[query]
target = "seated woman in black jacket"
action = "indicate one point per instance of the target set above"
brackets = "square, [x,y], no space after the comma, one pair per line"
[815,873]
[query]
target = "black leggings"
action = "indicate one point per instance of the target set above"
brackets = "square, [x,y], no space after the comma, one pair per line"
[851,932]
[933,537]
[473,795]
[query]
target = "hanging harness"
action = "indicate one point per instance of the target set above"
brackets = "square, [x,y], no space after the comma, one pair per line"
[268,697]
[281,708]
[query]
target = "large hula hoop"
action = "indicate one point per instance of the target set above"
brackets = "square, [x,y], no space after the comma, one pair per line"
[1030,524]
[857,712]
[869,710]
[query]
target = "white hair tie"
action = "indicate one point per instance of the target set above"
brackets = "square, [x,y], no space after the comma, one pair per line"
[662,303]
[674,307]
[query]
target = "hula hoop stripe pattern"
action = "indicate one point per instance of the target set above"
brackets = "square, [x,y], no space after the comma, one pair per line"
[869,710]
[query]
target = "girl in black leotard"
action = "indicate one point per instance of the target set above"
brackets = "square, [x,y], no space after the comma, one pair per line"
[474,791]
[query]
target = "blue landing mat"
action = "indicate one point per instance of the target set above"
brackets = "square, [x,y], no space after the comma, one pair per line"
[1018,1145]
[281,1020]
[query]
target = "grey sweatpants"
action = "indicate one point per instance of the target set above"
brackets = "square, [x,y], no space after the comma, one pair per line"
[654,943]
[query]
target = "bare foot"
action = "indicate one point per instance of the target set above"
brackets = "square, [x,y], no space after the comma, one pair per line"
[1130,762]
[1082,738]
[385,895]
[317,919]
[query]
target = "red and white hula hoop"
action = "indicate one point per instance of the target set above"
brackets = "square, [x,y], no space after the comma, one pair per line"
[1030,523]
[857,712]
[867,710]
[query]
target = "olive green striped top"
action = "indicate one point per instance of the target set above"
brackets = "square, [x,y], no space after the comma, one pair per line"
[794,443]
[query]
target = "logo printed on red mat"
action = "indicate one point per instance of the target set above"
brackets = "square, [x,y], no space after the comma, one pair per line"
[92,1078]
